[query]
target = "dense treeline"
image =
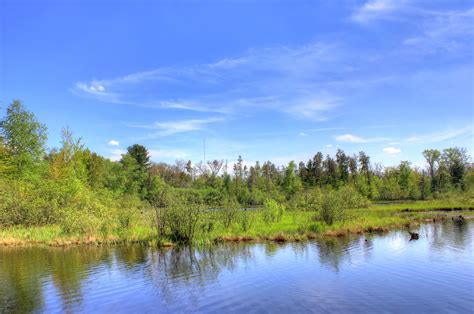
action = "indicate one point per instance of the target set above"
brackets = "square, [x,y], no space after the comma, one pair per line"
[84,192]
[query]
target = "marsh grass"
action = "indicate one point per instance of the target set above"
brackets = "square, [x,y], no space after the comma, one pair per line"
[292,226]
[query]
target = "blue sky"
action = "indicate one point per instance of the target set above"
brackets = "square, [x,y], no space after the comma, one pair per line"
[270,80]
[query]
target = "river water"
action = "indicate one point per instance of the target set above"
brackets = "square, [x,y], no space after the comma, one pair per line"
[368,274]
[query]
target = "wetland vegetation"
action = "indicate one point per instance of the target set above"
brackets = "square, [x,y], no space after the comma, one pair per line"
[71,195]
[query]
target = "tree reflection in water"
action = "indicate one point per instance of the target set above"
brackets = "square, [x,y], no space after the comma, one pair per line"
[37,279]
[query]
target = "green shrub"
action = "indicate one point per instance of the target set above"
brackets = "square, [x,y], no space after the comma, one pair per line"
[307,200]
[331,209]
[229,212]
[272,211]
[335,204]
[246,218]
[180,220]
[350,198]
[128,211]
[316,227]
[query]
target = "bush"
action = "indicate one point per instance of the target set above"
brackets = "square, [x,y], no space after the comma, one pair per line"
[331,209]
[180,220]
[272,211]
[306,201]
[335,204]
[128,211]
[351,198]
[229,212]
[86,214]
[77,222]
[29,203]
[246,218]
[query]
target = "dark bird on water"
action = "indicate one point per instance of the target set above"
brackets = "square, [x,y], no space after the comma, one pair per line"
[414,235]
[458,220]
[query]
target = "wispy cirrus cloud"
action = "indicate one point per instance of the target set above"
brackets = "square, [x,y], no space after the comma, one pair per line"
[375,9]
[440,136]
[350,138]
[446,31]
[157,154]
[316,108]
[292,80]
[97,90]
[436,137]
[435,29]
[309,82]
[179,126]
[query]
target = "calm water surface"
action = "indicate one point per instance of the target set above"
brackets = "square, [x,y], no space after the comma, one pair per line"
[386,273]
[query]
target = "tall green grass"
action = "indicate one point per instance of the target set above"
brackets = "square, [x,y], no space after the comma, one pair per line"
[292,225]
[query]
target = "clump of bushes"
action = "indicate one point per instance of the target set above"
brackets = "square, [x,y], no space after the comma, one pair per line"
[272,211]
[86,213]
[246,219]
[307,200]
[335,204]
[229,213]
[179,220]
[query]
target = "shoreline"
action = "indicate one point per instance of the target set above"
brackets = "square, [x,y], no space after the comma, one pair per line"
[373,220]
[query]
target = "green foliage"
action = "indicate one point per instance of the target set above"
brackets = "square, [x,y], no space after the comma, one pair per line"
[86,194]
[291,182]
[229,212]
[246,219]
[24,138]
[335,204]
[316,227]
[272,211]
[332,209]
[180,220]
[309,200]
[455,159]
[352,199]
[20,203]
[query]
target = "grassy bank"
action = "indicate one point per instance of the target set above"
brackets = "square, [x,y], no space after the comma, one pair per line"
[293,226]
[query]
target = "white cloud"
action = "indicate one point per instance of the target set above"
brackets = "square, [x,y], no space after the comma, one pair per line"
[392,150]
[440,136]
[315,109]
[374,9]
[287,79]
[350,138]
[192,106]
[116,154]
[180,126]
[114,143]
[303,134]
[166,153]
[93,88]
[447,31]
[228,63]
[311,81]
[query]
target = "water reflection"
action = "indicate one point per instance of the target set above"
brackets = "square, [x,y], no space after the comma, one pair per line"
[243,276]
[334,251]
